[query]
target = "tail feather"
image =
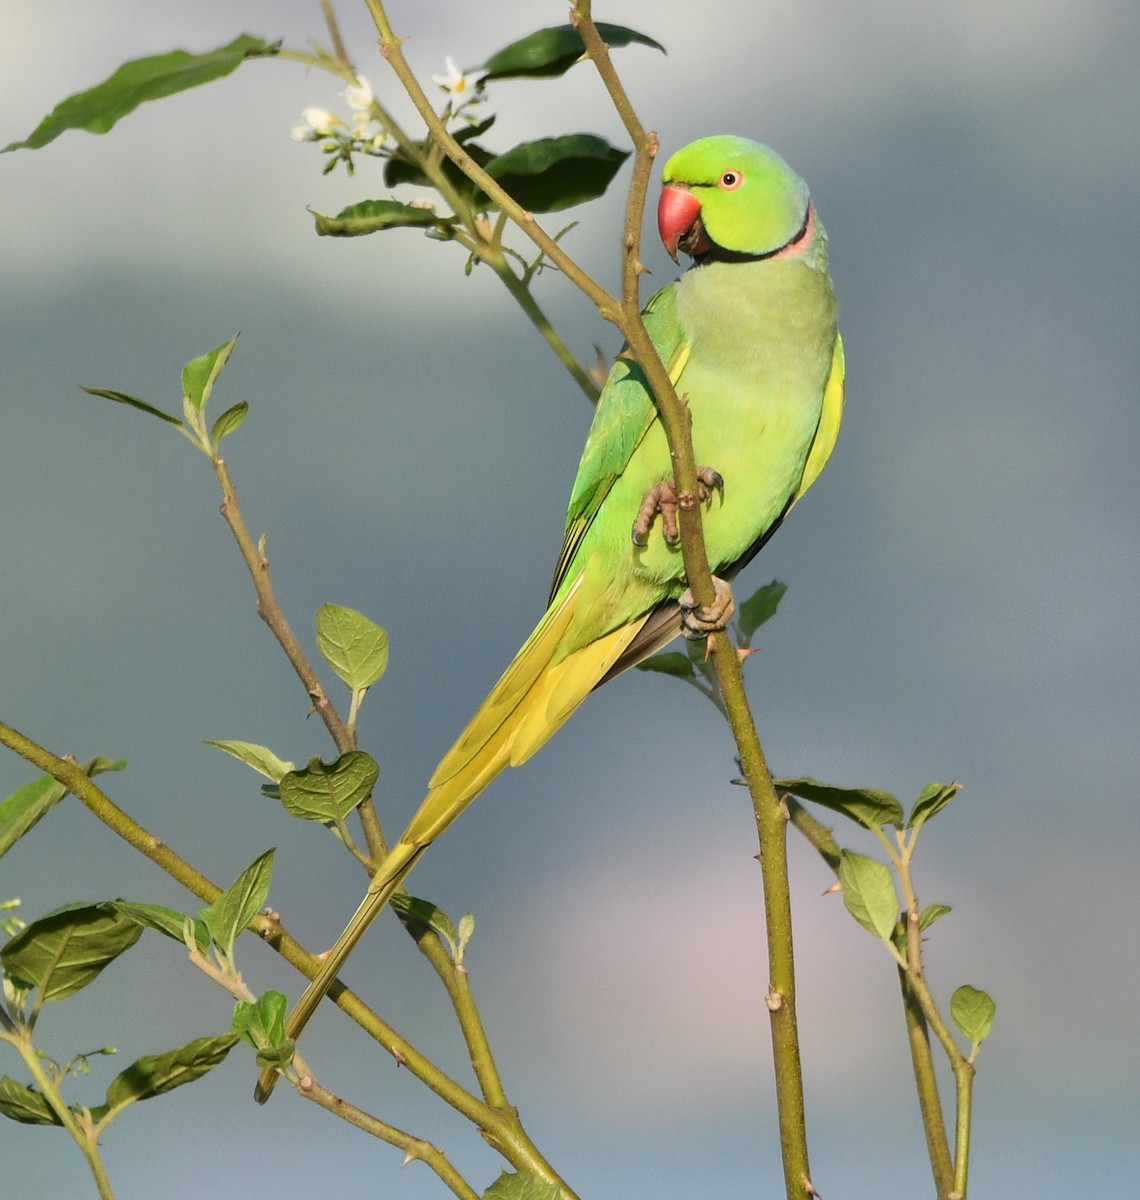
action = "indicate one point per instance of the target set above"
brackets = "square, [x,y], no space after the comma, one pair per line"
[507,735]
[387,880]
[504,698]
[529,704]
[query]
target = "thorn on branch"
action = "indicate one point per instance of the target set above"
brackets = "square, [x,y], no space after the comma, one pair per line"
[774,1000]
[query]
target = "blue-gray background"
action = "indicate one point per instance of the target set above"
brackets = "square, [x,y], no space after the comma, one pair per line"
[963,595]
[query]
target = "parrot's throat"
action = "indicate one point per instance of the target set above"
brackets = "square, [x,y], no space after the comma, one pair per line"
[696,241]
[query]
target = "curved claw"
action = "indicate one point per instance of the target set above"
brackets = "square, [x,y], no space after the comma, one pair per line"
[698,622]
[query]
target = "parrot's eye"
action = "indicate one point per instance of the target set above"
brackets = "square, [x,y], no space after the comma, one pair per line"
[730,181]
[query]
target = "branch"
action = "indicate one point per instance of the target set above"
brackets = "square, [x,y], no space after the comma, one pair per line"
[771,818]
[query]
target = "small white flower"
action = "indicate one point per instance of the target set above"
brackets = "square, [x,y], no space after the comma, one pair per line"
[321,120]
[461,89]
[359,97]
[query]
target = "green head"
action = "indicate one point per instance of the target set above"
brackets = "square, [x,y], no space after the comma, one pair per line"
[729,197]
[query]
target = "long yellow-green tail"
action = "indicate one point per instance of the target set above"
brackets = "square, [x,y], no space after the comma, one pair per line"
[530,703]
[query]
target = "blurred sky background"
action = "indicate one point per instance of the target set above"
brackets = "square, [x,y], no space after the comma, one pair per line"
[962,605]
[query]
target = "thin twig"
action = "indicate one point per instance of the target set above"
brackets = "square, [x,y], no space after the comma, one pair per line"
[414,1148]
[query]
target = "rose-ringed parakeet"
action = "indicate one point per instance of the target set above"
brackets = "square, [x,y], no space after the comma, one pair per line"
[749,338]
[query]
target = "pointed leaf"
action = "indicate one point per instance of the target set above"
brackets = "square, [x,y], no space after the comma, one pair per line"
[869,893]
[233,910]
[229,421]
[973,1012]
[167,921]
[931,800]
[200,375]
[329,791]
[154,1074]
[553,51]
[132,402]
[99,108]
[371,216]
[29,804]
[760,607]
[930,914]
[67,949]
[556,173]
[671,663]
[869,808]
[355,647]
[260,758]
[18,1102]
[262,1023]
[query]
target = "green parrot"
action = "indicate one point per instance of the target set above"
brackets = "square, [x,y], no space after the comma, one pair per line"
[749,338]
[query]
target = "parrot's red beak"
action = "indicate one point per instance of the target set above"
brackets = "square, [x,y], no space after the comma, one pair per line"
[679,221]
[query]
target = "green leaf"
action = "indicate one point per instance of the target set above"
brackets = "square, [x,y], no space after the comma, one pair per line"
[556,173]
[25,806]
[973,1012]
[370,216]
[931,800]
[355,647]
[521,1186]
[403,167]
[233,910]
[99,108]
[167,921]
[18,1102]
[414,911]
[200,375]
[869,893]
[29,804]
[760,607]
[553,51]
[154,1074]
[262,1023]
[867,807]
[260,758]
[133,402]
[930,914]
[329,791]
[229,421]
[672,663]
[67,949]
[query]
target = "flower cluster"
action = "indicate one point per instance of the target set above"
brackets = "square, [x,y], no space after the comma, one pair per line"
[362,134]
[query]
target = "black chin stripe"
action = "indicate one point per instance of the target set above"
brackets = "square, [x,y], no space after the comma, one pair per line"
[717,253]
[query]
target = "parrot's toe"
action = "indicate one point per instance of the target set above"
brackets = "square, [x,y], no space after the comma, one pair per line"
[664,498]
[697,621]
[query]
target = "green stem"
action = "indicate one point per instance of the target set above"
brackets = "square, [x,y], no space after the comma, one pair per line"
[414,1148]
[964,1089]
[269,610]
[961,1066]
[526,301]
[458,986]
[926,1084]
[81,1136]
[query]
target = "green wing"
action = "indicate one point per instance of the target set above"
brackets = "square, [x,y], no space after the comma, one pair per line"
[624,414]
